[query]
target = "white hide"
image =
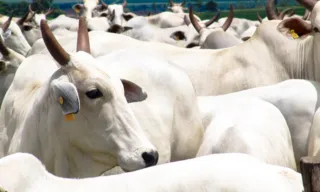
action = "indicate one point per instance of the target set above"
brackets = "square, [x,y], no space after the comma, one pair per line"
[246,125]
[234,172]
[298,101]
[169,115]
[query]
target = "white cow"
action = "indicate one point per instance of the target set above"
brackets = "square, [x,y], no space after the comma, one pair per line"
[298,102]
[246,125]
[99,130]
[23,172]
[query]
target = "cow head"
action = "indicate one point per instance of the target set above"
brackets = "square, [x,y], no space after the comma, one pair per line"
[37,17]
[29,29]
[86,9]
[16,39]
[116,13]
[205,32]
[177,7]
[9,64]
[104,127]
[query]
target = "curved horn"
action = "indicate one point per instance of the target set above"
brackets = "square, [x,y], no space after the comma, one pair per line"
[53,46]
[186,20]
[308,4]
[113,14]
[277,11]
[284,13]
[83,43]
[23,19]
[103,4]
[228,22]
[4,49]
[184,2]
[124,4]
[306,14]
[292,12]
[6,24]
[194,21]
[259,17]
[49,11]
[271,14]
[171,3]
[213,19]
[30,9]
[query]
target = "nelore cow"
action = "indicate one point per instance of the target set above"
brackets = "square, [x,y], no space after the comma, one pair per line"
[102,134]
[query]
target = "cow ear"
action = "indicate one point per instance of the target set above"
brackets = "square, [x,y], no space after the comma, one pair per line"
[3,65]
[127,16]
[295,27]
[178,35]
[77,7]
[133,92]
[66,95]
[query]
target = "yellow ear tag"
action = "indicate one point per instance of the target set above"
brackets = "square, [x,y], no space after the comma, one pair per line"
[61,100]
[69,117]
[294,34]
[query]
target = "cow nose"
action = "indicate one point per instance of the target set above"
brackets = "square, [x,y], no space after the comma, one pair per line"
[150,158]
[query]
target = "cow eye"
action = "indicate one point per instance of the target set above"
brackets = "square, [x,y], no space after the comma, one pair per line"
[89,30]
[93,94]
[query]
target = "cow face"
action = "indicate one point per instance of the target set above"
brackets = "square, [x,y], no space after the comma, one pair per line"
[16,39]
[104,126]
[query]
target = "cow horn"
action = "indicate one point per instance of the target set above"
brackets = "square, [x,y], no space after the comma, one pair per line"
[194,21]
[113,14]
[49,11]
[184,2]
[277,11]
[228,22]
[124,4]
[103,4]
[83,43]
[53,46]
[6,24]
[308,4]
[213,19]
[284,13]
[259,17]
[271,14]
[306,14]
[30,9]
[4,49]
[171,3]
[186,20]
[23,19]
[292,12]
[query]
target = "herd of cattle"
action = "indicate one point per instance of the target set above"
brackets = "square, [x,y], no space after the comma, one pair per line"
[113,101]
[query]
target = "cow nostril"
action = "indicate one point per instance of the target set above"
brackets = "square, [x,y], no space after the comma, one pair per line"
[316,30]
[150,158]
